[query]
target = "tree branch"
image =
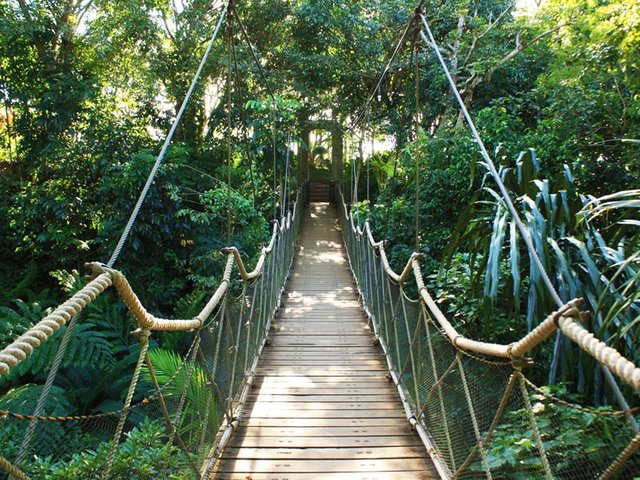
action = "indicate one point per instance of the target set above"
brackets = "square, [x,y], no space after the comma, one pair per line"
[473,82]
[37,41]
[491,26]
[166,26]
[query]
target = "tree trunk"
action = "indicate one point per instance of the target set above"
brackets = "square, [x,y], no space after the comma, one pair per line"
[303,151]
[337,147]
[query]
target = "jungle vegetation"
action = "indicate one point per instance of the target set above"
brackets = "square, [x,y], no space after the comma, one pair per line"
[90,87]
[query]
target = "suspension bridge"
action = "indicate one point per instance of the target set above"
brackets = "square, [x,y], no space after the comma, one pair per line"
[323,363]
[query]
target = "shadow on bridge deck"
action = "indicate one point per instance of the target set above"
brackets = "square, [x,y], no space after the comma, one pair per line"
[322,407]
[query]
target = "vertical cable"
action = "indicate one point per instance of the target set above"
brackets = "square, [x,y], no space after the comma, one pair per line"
[417,123]
[353,173]
[286,177]
[230,55]
[361,157]
[273,141]
[373,148]
[369,161]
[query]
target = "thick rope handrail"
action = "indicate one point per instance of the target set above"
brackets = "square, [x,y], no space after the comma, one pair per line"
[24,345]
[278,226]
[12,470]
[105,277]
[146,320]
[564,319]
[247,276]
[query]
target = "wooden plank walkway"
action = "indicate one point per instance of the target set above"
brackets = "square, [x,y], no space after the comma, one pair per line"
[321,407]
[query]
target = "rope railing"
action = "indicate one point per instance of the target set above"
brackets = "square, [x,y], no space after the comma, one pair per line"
[477,414]
[565,319]
[228,334]
[429,39]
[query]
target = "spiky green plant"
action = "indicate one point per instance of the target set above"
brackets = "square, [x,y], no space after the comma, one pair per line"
[590,248]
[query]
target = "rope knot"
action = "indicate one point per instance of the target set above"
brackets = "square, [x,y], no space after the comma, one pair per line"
[141,333]
[519,363]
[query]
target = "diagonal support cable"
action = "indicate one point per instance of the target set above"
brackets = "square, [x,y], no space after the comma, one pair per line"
[526,236]
[387,67]
[165,146]
[254,54]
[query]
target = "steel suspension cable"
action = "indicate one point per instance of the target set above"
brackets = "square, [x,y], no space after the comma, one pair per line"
[167,141]
[526,236]
[386,69]
[274,103]
[230,52]
[416,53]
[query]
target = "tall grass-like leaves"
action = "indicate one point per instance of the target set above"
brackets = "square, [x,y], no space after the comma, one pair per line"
[590,248]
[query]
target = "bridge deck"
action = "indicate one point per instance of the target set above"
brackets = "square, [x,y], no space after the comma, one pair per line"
[322,407]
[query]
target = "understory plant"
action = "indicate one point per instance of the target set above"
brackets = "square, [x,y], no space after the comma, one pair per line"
[590,248]
[577,443]
[144,453]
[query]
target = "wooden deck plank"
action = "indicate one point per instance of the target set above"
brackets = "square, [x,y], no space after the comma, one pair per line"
[327,465]
[341,453]
[321,405]
[319,422]
[275,390]
[425,475]
[340,441]
[313,398]
[331,432]
[322,357]
[325,362]
[296,381]
[266,411]
[321,370]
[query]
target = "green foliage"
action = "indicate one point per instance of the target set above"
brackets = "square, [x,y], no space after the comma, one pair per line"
[145,453]
[456,290]
[22,400]
[574,440]
[96,369]
[16,320]
[572,237]
[200,400]
[89,88]
[443,190]
[88,346]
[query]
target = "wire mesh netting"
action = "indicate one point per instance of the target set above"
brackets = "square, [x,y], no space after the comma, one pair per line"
[171,422]
[480,415]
